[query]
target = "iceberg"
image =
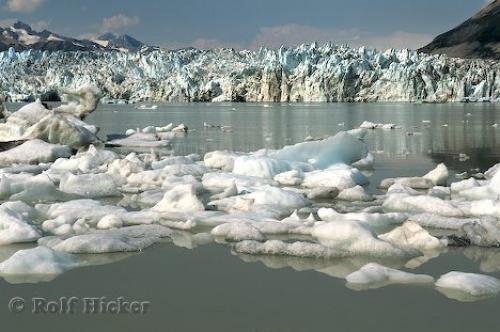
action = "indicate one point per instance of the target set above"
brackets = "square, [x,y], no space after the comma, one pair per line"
[373,275]
[36,264]
[62,125]
[34,152]
[467,287]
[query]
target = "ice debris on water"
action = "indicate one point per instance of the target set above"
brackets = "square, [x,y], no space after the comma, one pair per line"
[67,193]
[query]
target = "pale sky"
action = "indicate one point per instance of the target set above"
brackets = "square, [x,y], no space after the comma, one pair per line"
[250,23]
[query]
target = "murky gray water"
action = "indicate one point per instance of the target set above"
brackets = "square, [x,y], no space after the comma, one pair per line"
[208,289]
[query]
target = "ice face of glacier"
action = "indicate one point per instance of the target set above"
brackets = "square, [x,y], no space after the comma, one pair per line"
[305,73]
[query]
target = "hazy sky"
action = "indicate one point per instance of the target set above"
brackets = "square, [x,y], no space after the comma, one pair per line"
[248,23]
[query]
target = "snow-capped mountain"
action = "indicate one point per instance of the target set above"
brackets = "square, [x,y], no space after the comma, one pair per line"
[306,73]
[119,42]
[478,37]
[21,36]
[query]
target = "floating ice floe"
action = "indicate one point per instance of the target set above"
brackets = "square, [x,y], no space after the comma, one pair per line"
[435,177]
[62,125]
[131,238]
[238,231]
[353,238]
[139,140]
[371,125]
[250,202]
[36,264]
[468,287]
[412,235]
[89,185]
[15,228]
[33,152]
[182,198]
[374,275]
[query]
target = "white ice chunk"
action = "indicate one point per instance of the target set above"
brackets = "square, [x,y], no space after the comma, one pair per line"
[437,221]
[339,176]
[181,198]
[355,239]
[34,151]
[221,181]
[411,235]
[281,248]
[373,275]
[263,167]
[344,147]
[289,178]
[132,238]
[438,175]
[89,185]
[237,231]
[468,286]
[14,228]
[374,221]
[223,160]
[422,203]
[38,264]
[355,194]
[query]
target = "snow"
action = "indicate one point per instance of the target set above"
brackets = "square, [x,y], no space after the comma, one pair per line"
[373,275]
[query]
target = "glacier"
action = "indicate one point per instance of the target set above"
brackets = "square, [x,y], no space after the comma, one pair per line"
[306,73]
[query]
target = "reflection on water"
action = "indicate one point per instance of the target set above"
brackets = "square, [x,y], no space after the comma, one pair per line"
[469,126]
[195,277]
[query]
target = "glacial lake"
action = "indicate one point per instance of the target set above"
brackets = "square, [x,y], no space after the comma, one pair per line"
[209,288]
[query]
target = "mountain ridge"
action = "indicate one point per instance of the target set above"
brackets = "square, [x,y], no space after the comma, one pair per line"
[477,37]
[21,37]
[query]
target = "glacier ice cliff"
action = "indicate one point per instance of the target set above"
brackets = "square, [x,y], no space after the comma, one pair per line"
[307,73]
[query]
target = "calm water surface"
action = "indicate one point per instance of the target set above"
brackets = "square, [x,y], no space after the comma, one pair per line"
[208,288]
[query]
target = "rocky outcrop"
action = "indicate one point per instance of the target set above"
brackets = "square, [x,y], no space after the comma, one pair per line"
[478,37]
